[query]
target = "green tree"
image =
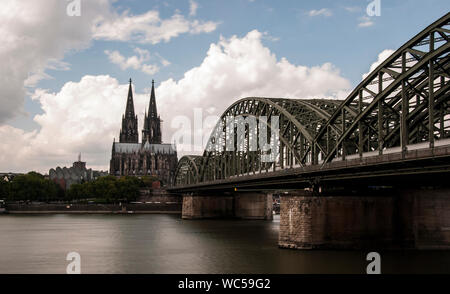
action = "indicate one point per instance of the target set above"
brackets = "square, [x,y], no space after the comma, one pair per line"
[108,189]
[105,188]
[33,186]
[77,192]
[128,188]
[4,189]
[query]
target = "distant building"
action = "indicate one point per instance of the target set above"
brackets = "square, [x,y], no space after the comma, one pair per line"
[66,177]
[151,156]
[8,177]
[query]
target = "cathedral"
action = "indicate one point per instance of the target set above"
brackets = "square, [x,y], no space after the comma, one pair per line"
[151,156]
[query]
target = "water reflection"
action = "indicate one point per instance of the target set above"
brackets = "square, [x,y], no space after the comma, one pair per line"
[166,244]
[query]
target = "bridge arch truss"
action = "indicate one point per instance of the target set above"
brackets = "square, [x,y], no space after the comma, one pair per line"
[404,101]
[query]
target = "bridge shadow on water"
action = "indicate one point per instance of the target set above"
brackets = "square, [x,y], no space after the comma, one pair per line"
[235,246]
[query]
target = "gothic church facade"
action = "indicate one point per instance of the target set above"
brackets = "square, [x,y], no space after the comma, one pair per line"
[150,156]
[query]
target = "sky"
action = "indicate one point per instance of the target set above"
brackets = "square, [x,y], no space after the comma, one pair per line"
[65,65]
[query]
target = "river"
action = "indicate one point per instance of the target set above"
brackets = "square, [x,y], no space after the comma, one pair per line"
[158,243]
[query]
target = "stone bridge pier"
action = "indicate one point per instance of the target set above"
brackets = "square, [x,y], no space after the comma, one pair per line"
[408,218]
[242,205]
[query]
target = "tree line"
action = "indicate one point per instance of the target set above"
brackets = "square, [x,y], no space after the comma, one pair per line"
[35,187]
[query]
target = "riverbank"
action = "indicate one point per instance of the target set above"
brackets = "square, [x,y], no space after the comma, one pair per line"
[129,208]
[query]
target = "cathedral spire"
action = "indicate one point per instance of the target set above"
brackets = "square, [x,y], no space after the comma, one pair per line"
[152,106]
[129,111]
[129,131]
[152,123]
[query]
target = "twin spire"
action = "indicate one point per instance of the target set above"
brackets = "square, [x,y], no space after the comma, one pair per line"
[152,112]
[152,123]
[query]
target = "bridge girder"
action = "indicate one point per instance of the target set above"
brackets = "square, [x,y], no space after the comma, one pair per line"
[399,109]
[187,171]
[404,101]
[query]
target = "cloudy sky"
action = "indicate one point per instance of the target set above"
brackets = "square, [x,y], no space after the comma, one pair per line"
[64,76]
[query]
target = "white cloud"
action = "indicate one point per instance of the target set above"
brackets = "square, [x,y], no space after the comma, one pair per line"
[34,78]
[136,62]
[193,6]
[150,69]
[75,118]
[365,21]
[269,37]
[381,57]
[353,9]
[240,67]
[323,12]
[34,36]
[148,27]
[164,61]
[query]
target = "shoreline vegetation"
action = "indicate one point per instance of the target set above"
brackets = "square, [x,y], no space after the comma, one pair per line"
[109,189]
[33,193]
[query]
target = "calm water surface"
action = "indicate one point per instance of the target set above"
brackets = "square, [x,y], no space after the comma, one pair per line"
[166,244]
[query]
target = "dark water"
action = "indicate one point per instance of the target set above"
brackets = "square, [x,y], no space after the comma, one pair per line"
[166,244]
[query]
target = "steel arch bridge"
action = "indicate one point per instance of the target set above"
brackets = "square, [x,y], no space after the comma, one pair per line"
[404,101]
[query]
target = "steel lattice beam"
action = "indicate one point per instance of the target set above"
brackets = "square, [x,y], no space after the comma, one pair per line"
[405,100]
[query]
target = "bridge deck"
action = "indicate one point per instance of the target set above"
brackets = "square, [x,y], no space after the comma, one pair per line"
[417,161]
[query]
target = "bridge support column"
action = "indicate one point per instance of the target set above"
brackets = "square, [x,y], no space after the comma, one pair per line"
[410,218]
[198,207]
[245,205]
[309,222]
[252,205]
[430,222]
[301,222]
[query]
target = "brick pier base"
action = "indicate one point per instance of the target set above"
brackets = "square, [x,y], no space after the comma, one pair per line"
[238,205]
[410,219]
